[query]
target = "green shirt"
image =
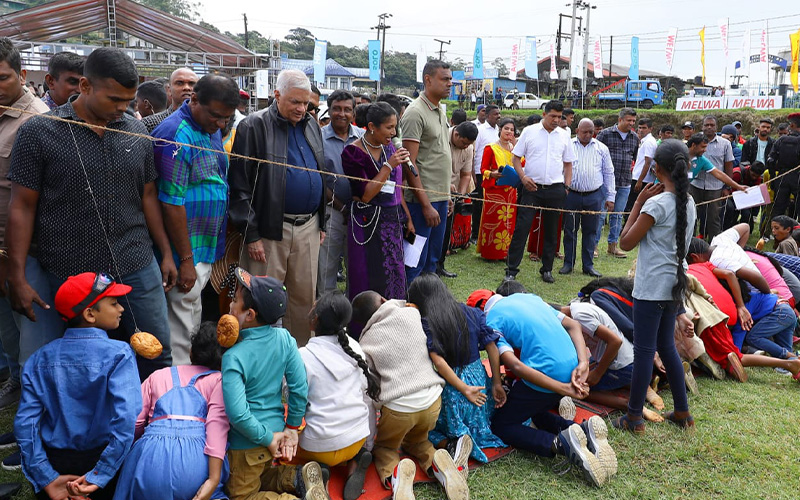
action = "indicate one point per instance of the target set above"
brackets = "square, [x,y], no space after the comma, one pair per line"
[252,376]
[426,123]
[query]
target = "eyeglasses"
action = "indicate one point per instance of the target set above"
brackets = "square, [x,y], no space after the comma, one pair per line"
[313,109]
[101,283]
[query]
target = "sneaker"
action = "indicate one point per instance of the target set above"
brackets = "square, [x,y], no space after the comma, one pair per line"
[782,371]
[688,377]
[597,442]
[9,393]
[354,486]
[7,440]
[308,482]
[566,408]
[572,444]
[712,366]
[403,480]
[735,367]
[460,450]
[13,461]
[446,472]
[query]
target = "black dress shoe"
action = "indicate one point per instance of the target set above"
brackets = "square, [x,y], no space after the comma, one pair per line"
[592,272]
[8,490]
[444,273]
[565,269]
[547,277]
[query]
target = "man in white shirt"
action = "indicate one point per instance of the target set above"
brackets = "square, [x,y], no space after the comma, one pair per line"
[591,171]
[488,133]
[548,157]
[642,175]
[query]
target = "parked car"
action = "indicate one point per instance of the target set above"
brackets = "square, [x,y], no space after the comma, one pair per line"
[523,100]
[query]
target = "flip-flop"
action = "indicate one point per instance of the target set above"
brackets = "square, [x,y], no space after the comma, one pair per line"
[685,423]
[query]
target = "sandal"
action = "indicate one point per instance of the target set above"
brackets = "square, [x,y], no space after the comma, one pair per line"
[534,257]
[685,423]
[624,423]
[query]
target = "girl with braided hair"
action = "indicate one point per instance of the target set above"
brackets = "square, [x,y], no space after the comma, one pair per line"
[661,223]
[456,334]
[338,412]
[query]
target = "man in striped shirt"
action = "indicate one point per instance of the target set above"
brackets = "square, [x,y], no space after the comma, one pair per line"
[591,171]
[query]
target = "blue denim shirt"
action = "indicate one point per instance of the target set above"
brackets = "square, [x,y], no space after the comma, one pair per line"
[78,392]
[303,187]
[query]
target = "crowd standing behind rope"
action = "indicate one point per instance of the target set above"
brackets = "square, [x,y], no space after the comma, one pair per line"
[116,224]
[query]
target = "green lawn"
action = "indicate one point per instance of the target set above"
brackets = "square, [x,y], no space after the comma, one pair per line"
[745,445]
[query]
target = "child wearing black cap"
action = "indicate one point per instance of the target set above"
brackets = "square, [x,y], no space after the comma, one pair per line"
[80,396]
[252,374]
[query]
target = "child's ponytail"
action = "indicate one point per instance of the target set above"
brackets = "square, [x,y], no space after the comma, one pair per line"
[373,384]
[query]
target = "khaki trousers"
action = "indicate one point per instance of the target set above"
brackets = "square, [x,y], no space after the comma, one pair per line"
[184,313]
[408,431]
[253,477]
[294,260]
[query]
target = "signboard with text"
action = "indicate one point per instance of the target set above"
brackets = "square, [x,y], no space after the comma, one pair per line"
[731,102]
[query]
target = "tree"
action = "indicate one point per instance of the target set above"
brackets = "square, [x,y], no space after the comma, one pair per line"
[500,66]
[457,64]
[185,9]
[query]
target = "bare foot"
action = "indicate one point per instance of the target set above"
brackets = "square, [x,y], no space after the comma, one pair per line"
[654,399]
[794,366]
[652,416]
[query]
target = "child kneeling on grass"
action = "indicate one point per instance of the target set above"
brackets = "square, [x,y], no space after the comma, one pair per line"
[253,371]
[80,396]
[396,349]
[553,362]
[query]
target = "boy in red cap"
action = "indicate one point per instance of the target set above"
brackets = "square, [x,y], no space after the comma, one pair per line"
[80,396]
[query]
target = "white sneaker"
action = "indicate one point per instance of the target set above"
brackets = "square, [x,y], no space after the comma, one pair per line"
[446,472]
[460,450]
[566,408]
[403,480]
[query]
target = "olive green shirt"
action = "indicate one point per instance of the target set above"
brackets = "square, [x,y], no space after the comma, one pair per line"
[426,123]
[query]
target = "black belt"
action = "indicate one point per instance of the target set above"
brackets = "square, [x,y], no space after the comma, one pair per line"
[550,186]
[297,220]
[584,193]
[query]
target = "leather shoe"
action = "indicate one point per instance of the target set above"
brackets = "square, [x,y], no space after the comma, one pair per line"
[565,269]
[444,273]
[547,277]
[8,490]
[592,272]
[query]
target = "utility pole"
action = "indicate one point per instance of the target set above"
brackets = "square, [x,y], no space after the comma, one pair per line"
[610,56]
[572,41]
[588,7]
[441,46]
[381,27]
[246,34]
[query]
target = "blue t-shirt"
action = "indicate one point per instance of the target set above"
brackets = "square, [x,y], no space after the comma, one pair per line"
[700,164]
[527,323]
[479,334]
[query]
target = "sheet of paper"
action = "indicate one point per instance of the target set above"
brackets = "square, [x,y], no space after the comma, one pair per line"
[752,197]
[412,253]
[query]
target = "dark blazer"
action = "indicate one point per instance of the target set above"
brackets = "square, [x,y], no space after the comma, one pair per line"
[750,150]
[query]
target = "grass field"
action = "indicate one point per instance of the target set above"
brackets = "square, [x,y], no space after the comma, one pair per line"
[745,445]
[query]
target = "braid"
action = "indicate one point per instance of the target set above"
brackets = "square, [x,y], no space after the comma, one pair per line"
[681,180]
[373,384]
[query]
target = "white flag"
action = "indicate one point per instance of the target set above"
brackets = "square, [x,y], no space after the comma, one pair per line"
[746,49]
[598,58]
[512,71]
[764,52]
[577,58]
[672,37]
[422,58]
[722,24]
[553,69]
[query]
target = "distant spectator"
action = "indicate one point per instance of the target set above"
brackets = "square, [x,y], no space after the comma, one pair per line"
[599,125]
[394,101]
[459,117]
[64,72]
[151,98]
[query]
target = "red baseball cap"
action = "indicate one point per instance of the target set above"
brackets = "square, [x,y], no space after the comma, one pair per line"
[85,290]
[243,94]
[479,297]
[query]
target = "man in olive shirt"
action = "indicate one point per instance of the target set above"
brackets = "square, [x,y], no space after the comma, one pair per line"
[426,137]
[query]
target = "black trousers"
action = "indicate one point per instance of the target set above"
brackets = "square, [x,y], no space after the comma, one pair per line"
[477,207]
[787,186]
[552,196]
[79,462]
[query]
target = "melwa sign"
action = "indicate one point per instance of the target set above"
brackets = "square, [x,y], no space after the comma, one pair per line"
[732,102]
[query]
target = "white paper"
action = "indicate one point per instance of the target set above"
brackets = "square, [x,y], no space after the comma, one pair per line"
[412,253]
[750,198]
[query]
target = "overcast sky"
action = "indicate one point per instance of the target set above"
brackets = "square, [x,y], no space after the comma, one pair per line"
[501,24]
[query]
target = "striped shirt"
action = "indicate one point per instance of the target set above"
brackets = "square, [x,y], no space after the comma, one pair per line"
[592,168]
[195,179]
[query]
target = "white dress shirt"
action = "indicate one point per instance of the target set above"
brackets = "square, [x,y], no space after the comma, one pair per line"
[486,135]
[592,168]
[545,153]
[647,149]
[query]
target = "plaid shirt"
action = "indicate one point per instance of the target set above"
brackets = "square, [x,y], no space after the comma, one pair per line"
[623,153]
[49,100]
[194,179]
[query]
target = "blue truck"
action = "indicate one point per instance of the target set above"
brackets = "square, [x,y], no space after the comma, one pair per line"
[644,93]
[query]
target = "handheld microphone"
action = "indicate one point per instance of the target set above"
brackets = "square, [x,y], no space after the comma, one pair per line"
[399,144]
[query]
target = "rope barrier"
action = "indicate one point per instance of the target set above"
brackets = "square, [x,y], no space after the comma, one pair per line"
[345,176]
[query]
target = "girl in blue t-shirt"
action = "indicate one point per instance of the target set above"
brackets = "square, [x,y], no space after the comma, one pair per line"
[456,335]
[661,223]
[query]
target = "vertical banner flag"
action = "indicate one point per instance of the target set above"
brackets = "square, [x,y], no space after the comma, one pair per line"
[722,24]
[553,69]
[577,56]
[746,49]
[764,52]
[672,37]
[597,61]
[320,55]
[531,59]
[512,71]
[795,44]
[703,52]
[633,72]
[422,59]
[374,48]
[477,60]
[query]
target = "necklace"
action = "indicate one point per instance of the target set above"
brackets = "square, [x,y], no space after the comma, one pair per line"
[367,143]
[381,158]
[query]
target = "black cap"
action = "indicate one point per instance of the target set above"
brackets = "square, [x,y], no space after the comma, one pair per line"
[268,293]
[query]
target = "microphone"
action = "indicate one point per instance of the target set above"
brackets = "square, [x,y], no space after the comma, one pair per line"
[399,144]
